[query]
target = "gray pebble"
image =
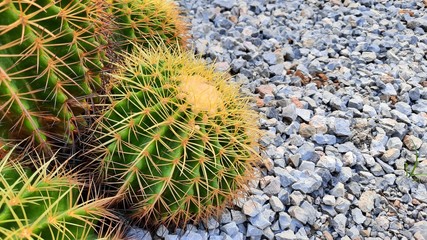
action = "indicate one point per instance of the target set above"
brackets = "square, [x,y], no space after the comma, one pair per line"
[212,223]
[345,174]
[238,217]
[352,233]
[324,139]
[319,123]
[225,3]
[286,178]
[295,160]
[353,188]
[284,220]
[378,144]
[329,210]
[389,90]
[276,204]
[400,116]
[268,233]
[311,211]
[366,201]
[307,182]
[215,237]
[369,110]
[339,223]
[338,190]
[251,208]
[382,223]
[368,56]
[289,112]
[308,166]
[260,221]
[190,235]
[377,170]
[306,130]
[342,205]
[349,159]
[395,143]
[286,235]
[420,193]
[420,227]
[412,142]
[391,155]
[304,114]
[403,108]
[253,231]
[328,162]
[162,231]
[306,151]
[172,237]
[329,200]
[138,234]
[341,127]
[414,94]
[270,58]
[277,69]
[356,102]
[225,217]
[273,186]
[358,216]
[296,198]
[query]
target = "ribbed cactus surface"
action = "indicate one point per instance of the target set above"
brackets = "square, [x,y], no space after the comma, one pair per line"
[41,205]
[177,140]
[49,60]
[144,22]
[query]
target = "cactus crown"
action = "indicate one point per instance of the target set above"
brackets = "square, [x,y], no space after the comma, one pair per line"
[177,140]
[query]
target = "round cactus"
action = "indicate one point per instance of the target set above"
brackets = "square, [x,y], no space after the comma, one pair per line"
[143,22]
[49,61]
[49,206]
[177,141]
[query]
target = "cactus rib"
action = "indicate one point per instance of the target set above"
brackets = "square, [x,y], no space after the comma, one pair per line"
[46,205]
[49,59]
[142,22]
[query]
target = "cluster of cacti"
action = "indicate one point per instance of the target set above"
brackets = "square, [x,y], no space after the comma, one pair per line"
[54,55]
[41,205]
[177,139]
[172,140]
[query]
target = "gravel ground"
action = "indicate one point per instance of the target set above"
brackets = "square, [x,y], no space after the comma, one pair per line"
[341,89]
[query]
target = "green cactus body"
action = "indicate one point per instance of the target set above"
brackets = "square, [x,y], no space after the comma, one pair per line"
[177,141]
[49,59]
[144,22]
[38,205]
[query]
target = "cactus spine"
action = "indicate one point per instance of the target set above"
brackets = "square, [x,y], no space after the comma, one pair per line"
[177,140]
[49,59]
[41,205]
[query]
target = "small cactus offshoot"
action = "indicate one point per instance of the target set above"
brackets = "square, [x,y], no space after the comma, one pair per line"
[49,206]
[177,141]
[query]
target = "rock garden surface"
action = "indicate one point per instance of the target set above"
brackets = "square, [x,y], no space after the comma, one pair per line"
[341,90]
